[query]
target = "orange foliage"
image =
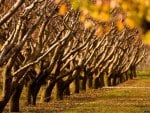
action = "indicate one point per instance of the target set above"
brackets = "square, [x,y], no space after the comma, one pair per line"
[119,25]
[63,9]
[99,31]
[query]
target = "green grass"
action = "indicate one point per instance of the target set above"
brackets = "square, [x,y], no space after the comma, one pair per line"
[143,73]
[119,100]
[95,108]
[115,101]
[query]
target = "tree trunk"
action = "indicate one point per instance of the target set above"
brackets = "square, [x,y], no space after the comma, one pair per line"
[89,76]
[101,80]
[7,88]
[96,83]
[131,75]
[60,85]
[134,71]
[48,91]
[121,78]
[84,81]
[14,102]
[90,81]
[67,90]
[114,80]
[29,94]
[7,94]
[126,76]
[3,104]
[32,93]
[66,84]
[77,84]
[109,81]
[34,88]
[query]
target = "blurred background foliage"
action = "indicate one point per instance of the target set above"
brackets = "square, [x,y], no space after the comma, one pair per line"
[134,13]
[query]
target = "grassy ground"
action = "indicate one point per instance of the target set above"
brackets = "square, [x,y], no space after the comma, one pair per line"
[124,100]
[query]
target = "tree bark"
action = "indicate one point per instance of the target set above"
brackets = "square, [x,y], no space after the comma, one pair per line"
[96,83]
[114,81]
[67,90]
[48,91]
[126,76]
[14,102]
[29,93]
[7,94]
[121,78]
[7,85]
[34,88]
[84,81]
[77,84]
[131,75]
[90,81]
[101,78]
[134,71]
[60,85]
[109,81]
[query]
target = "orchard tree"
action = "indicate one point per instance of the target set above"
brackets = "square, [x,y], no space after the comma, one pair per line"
[59,42]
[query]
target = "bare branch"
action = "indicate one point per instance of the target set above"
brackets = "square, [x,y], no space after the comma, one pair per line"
[13,9]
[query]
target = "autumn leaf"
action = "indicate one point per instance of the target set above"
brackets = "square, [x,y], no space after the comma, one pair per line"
[85,11]
[106,7]
[75,4]
[99,31]
[129,23]
[88,24]
[104,17]
[119,25]
[82,18]
[148,15]
[107,28]
[125,6]
[95,15]
[63,9]
[146,38]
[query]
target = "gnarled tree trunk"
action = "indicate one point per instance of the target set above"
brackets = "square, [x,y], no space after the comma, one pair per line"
[96,83]
[7,85]
[77,84]
[101,78]
[7,93]
[60,91]
[14,102]
[84,81]
[48,91]
[67,90]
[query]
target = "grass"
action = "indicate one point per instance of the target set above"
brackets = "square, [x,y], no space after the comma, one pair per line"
[143,73]
[101,100]
[115,101]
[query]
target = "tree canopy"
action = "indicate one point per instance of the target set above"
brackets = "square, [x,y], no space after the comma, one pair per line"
[136,13]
